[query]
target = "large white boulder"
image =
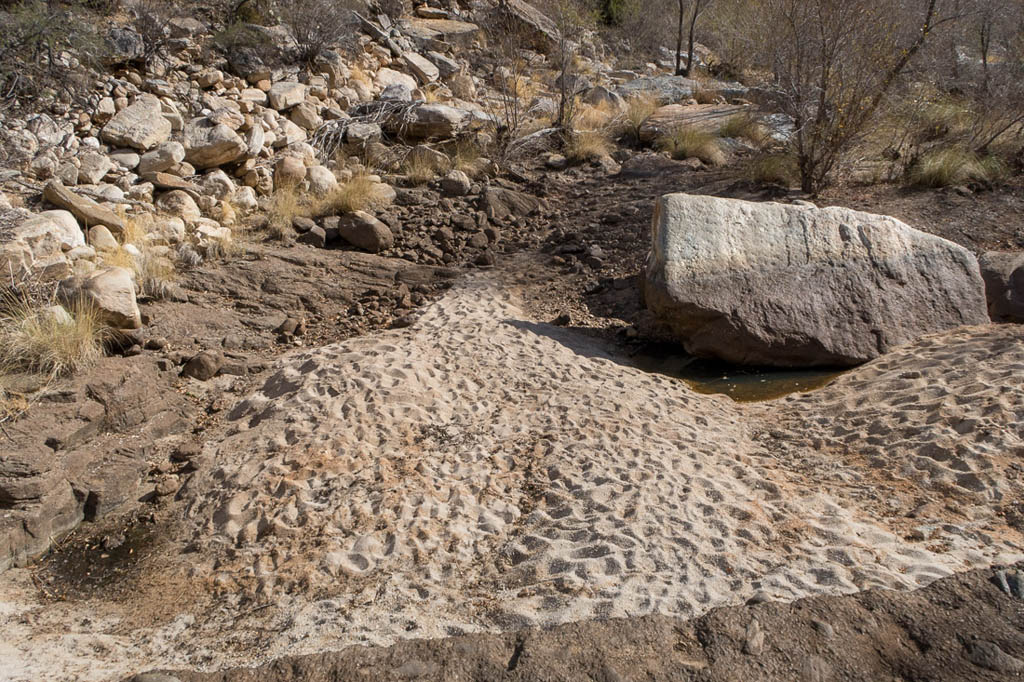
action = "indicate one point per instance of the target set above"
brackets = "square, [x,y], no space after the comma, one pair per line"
[774,284]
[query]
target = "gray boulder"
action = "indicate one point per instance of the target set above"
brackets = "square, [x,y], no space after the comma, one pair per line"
[433,122]
[286,94]
[209,144]
[1004,285]
[140,126]
[362,230]
[772,284]
[124,45]
[165,156]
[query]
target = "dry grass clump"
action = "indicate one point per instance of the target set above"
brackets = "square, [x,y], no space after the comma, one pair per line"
[154,273]
[955,166]
[358,194]
[136,227]
[419,169]
[119,258]
[705,95]
[639,108]
[590,116]
[687,142]
[744,127]
[774,169]
[286,204]
[588,145]
[939,120]
[465,155]
[593,128]
[38,336]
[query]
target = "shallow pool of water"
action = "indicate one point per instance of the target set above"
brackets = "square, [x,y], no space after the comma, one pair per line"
[742,384]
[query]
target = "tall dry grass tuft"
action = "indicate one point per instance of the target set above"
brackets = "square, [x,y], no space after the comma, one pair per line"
[775,169]
[419,169]
[465,154]
[744,127]
[36,335]
[154,272]
[358,194]
[639,108]
[588,145]
[686,142]
[950,166]
[286,204]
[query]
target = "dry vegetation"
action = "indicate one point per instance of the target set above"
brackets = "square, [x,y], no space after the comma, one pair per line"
[639,108]
[947,166]
[688,142]
[420,168]
[358,194]
[744,127]
[39,335]
[289,203]
[153,269]
[779,168]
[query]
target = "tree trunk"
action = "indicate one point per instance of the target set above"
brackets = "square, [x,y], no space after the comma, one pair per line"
[692,40]
[679,38]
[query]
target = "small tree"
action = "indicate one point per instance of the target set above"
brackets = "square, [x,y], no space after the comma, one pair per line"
[45,49]
[690,12]
[571,22]
[318,24]
[834,62]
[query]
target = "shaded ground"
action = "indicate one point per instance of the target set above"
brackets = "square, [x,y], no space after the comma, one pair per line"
[958,628]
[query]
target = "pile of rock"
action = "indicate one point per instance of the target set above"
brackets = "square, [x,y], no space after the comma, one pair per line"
[195,146]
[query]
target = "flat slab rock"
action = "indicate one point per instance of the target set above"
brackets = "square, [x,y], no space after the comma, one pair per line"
[786,285]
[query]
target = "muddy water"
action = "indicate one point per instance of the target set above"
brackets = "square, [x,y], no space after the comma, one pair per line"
[742,384]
